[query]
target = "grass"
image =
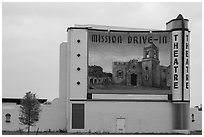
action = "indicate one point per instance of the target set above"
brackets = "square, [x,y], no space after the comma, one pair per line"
[94,133]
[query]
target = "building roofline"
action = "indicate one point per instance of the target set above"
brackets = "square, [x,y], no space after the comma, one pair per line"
[18,100]
[118,30]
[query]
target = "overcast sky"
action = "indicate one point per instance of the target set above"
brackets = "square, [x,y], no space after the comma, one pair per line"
[32,33]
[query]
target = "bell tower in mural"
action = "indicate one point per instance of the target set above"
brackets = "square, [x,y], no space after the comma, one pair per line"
[151,66]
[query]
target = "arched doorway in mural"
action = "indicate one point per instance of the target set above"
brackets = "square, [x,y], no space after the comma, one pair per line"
[133,79]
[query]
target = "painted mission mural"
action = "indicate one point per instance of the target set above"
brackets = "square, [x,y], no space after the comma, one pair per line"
[129,61]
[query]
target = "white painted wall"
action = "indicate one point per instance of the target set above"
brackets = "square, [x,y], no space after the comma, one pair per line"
[140,116]
[13,110]
[63,68]
[101,116]
[52,117]
[78,91]
[197,124]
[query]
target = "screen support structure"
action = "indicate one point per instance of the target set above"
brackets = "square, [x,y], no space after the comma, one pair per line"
[180,73]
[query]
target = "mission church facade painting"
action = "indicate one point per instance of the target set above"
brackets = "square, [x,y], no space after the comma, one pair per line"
[146,73]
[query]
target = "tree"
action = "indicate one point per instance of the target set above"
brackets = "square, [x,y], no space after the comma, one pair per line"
[29,110]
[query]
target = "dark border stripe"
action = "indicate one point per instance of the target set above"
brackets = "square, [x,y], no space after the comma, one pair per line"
[18,100]
[180,101]
[121,100]
[77,28]
[125,92]
[162,31]
[128,100]
[186,29]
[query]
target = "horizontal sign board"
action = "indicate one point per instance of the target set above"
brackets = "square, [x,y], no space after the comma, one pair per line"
[129,38]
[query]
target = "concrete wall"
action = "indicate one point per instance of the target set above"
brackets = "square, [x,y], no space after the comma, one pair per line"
[52,117]
[13,110]
[63,70]
[77,44]
[197,123]
[101,116]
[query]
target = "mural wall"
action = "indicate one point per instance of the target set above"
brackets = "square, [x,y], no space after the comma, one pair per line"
[129,60]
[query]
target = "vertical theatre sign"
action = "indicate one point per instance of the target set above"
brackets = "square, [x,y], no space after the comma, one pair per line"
[180,86]
[177,64]
[186,67]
